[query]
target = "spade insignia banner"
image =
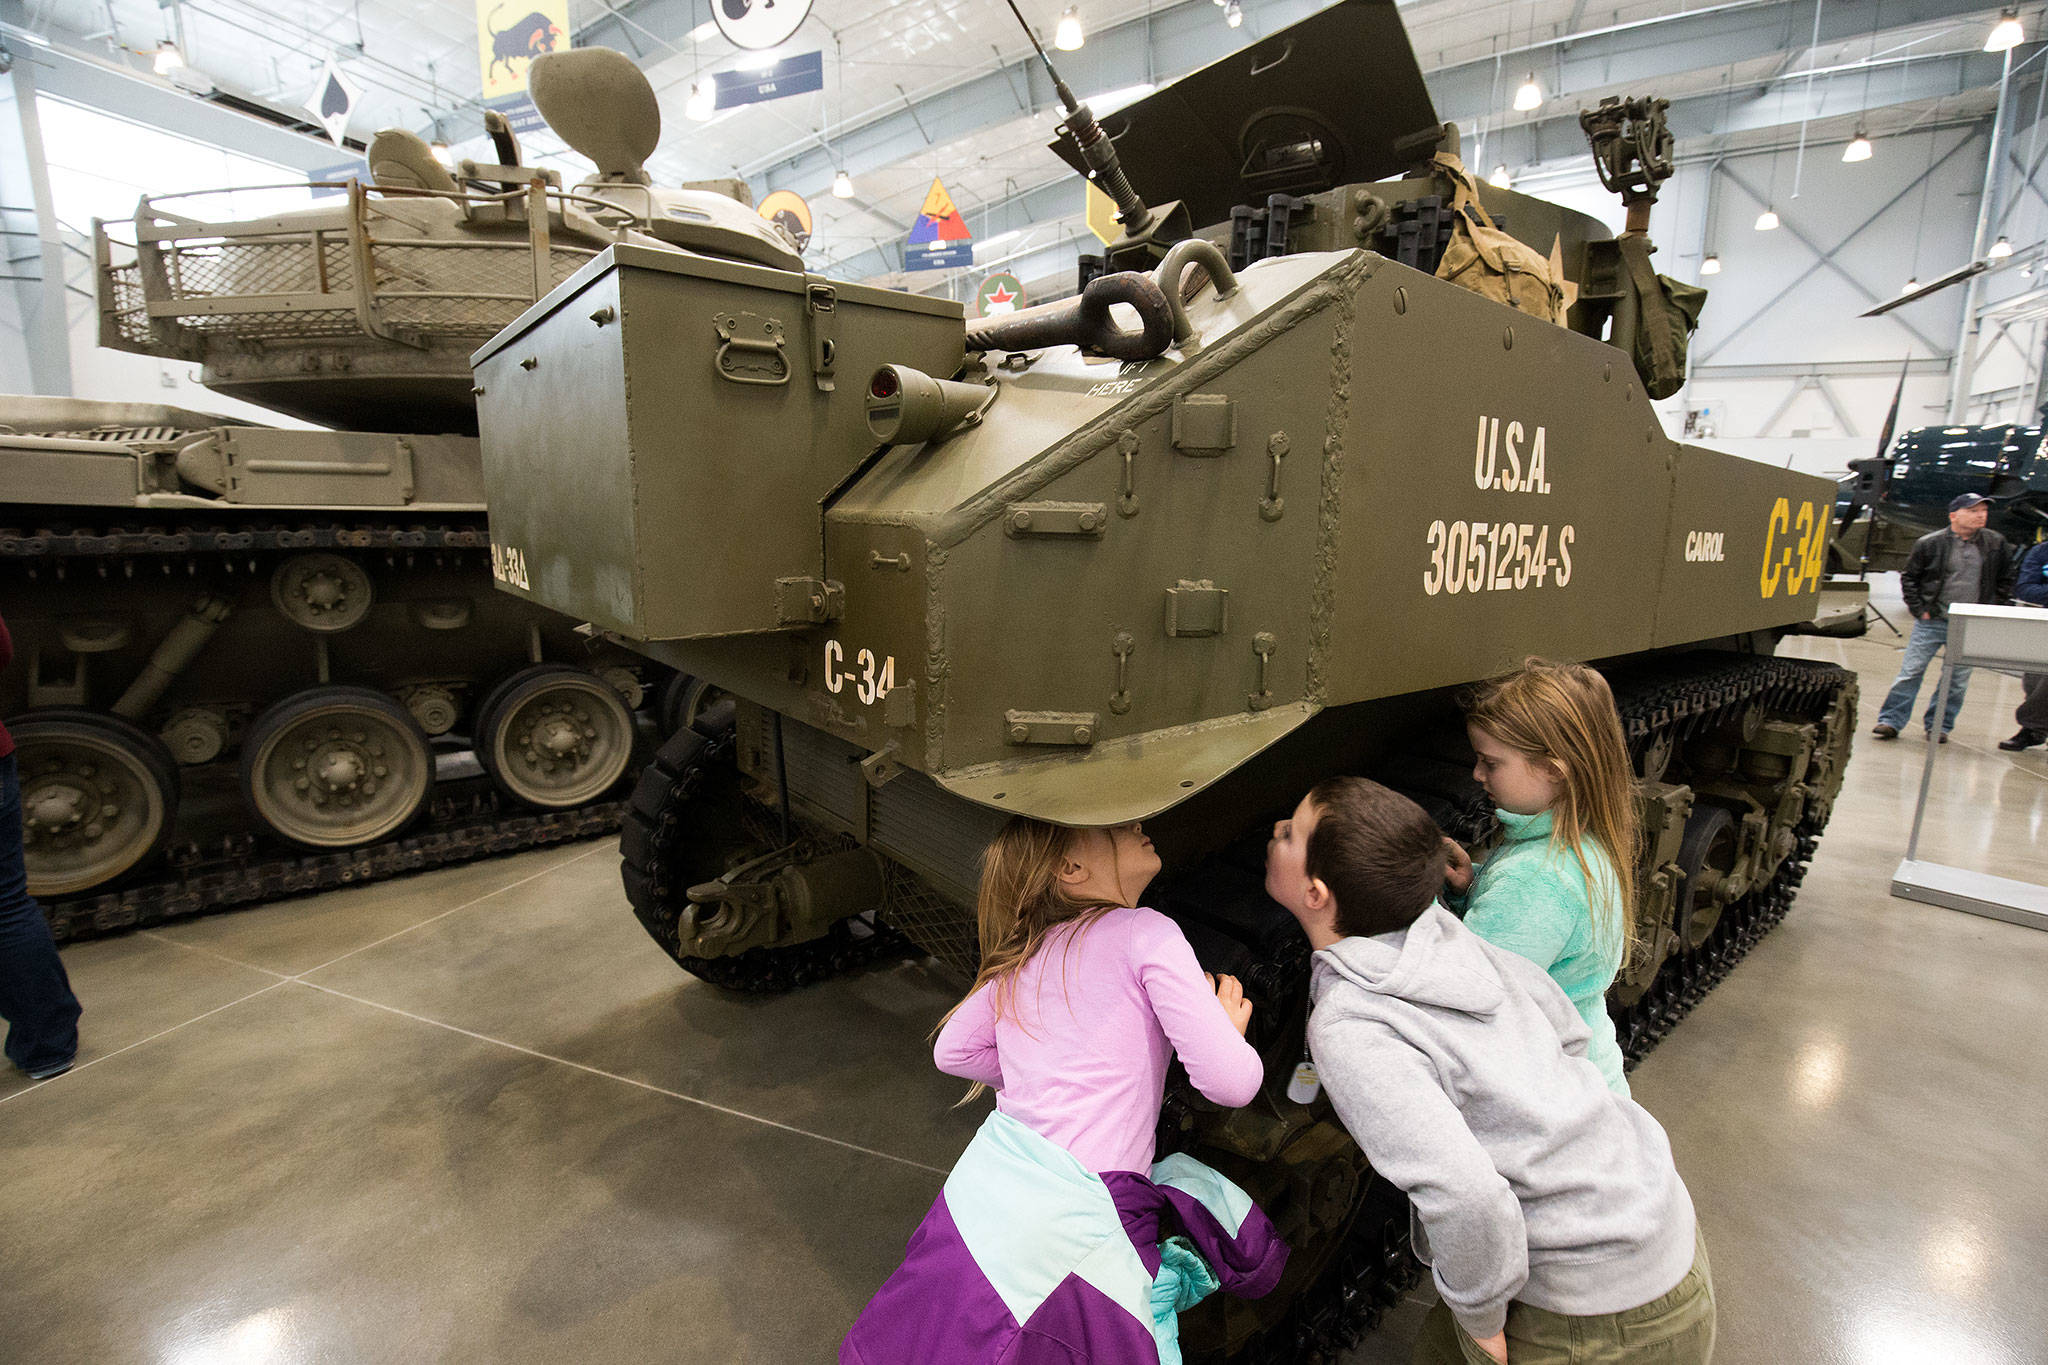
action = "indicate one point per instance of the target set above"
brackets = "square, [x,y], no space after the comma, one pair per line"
[334,99]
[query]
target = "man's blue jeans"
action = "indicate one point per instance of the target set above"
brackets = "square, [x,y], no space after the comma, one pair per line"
[35,994]
[1927,640]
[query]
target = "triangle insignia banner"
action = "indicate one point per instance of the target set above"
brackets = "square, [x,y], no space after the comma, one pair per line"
[938,220]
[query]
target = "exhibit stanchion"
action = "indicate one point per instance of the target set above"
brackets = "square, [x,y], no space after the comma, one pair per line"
[2008,638]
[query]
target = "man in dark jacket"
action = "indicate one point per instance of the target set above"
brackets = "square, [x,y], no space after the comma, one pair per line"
[1965,563]
[2031,591]
[35,995]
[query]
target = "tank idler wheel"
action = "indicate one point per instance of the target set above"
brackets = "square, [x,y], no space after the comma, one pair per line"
[554,736]
[334,767]
[704,708]
[1709,847]
[98,797]
[668,702]
[1653,760]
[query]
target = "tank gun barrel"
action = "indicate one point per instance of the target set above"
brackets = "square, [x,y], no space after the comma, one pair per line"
[1093,144]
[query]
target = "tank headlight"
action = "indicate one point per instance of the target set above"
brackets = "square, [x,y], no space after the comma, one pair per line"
[908,407]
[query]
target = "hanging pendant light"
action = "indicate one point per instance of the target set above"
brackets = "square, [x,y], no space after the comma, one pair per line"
[1500,177]
[1233,14]
[842,186]
[1530,96]
[2006,34]
[1069,36]
[1767,220]
[1911,285]
[1859,146]
[2000,249]
[168,58]
[441,153]
[703,101]
[1711,265]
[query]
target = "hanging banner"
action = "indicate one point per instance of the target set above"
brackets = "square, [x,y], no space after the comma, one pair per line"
[798,75]
[519,112]
[1001,292]
[939,239]
[353,169]
[510,34]
[334,99]
[787,209]
[1102,220]
[759,24]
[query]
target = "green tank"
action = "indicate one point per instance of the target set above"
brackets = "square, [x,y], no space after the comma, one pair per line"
[257,660]
[1247,512]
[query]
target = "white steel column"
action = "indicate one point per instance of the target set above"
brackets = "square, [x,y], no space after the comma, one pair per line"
[1973,298]
[35,262]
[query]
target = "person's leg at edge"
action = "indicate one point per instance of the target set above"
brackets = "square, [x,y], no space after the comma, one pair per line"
[2032,712]
[1921,647]
[35,993]
[1677,1329]
[1956,690]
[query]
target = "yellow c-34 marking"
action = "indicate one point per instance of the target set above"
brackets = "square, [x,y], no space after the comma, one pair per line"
[1795,549]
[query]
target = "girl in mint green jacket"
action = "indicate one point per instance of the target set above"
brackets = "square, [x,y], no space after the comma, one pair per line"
[1559,890]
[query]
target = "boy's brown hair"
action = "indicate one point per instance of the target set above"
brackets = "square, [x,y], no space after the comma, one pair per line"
[1379,853]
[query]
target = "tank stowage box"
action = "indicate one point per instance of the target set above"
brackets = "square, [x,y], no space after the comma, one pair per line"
[722,401]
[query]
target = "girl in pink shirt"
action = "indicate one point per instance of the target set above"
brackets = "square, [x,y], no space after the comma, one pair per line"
[1083,1000]
[1056,1239]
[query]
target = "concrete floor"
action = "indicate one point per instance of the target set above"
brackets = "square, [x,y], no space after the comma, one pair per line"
[474,1115]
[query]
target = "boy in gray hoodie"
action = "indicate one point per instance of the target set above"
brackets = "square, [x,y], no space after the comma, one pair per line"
[1555,1223]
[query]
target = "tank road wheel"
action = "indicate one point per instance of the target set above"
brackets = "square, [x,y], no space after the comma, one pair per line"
[98,798]
[554,736]
[322,592]
[334,767]
[691,822]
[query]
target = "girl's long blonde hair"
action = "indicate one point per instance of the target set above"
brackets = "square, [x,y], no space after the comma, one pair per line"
[1022,903]
[1563,716]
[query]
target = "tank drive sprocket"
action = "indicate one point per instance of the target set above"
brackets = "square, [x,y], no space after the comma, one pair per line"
[689,822]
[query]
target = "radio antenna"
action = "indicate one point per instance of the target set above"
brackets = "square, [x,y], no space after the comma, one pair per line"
[1093,144]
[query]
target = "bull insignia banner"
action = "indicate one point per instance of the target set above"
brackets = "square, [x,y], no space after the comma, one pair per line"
[510,34]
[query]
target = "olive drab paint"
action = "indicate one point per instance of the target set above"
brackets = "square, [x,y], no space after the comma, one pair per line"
[1121,581]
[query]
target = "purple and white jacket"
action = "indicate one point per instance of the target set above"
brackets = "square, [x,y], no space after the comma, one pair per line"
[1028,1258]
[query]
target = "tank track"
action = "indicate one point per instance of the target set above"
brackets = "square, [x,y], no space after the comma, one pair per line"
[463,829]
[1678,696]
[102,544]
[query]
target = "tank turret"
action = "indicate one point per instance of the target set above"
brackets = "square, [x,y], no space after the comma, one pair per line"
[361,312]
[295,629]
